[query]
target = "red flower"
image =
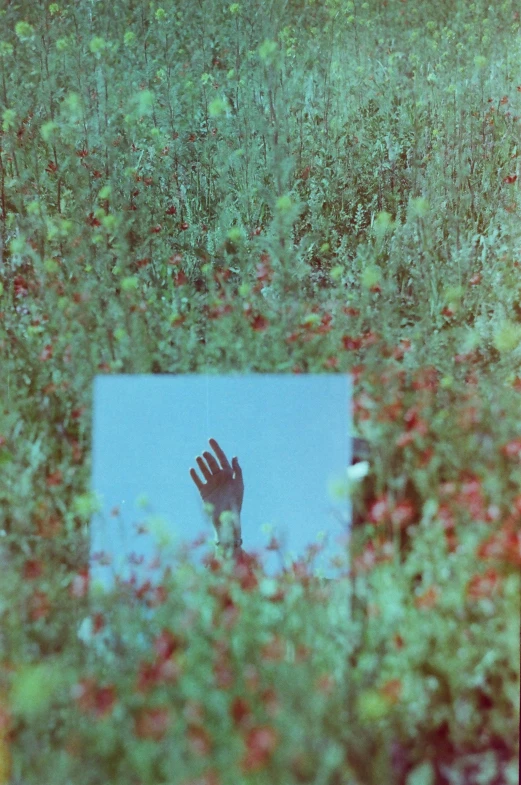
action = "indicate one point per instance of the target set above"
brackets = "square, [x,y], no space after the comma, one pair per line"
[54,479]
[179,278]
[379,510]
[512,449]
[152,723]
[428,599]
[155,229]
[98,622]
[259,323]
[223,673]
[92,699]
[403,513]
[240,712]
[325,324]
[509,179]
[183,226]
[260,745]
[32,569]
[39,605]
[166,644]
[92,221]
[21,286]
[79,586]
[426,379]
[392,690]
[46,353]
[199,740]
[405,438]
[482,585]
[475,279]
[274,650]
[264,271]
[369,339]
[350,343]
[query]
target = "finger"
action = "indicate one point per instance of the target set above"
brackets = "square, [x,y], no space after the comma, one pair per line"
[195,478]
[212,463]
[237,469]
[220,454]
[204,468]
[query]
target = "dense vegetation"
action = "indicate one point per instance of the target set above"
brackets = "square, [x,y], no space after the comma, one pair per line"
[266,187]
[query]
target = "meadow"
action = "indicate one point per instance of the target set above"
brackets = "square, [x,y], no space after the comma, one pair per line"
[313,187]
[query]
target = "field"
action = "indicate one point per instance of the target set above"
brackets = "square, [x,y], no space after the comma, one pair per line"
[278,187]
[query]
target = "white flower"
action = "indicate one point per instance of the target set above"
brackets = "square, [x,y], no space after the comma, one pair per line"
[357,471]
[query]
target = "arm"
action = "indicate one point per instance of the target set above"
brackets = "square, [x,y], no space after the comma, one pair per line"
[222,496]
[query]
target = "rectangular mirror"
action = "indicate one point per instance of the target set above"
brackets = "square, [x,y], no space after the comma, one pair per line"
[290,433]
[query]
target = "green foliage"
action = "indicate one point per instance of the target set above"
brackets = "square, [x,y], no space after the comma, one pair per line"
[319,187]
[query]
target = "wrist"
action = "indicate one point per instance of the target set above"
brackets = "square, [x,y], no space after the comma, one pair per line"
[228,535]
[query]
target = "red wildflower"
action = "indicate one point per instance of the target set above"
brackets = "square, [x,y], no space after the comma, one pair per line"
[33,568]
[240,712]
[80,584]
[403,513]
[405,438]
[428,599]
[274,650]
[392,690]
[152,723]
[259,323]
[56,478]
[39,605]
[379,510]
[199,740]
[350,343]
[426,379]
[92,699]
[482,585]
[512,449]
[260,743]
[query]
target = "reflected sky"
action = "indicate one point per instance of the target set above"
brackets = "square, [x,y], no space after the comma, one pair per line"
[291,434]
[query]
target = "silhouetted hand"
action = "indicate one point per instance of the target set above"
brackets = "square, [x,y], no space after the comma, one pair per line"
[224,486]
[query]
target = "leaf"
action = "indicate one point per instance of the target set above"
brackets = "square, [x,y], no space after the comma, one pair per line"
[422,775]
[34,688]
[5,457]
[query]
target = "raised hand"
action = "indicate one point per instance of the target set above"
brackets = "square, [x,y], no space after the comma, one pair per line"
[224,486]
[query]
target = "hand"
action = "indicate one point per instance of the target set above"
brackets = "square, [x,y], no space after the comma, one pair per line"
[224,487]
